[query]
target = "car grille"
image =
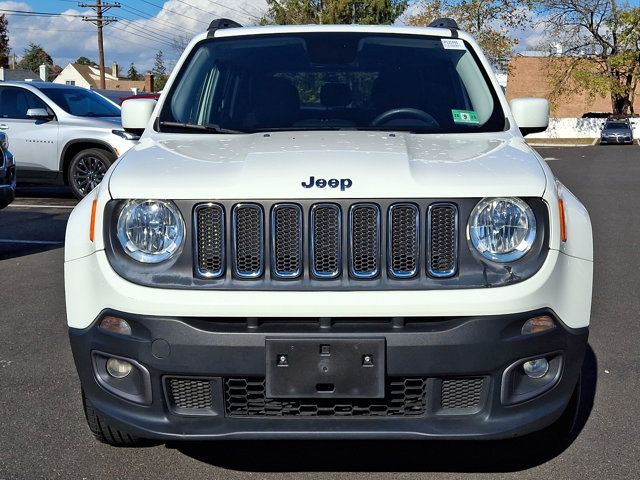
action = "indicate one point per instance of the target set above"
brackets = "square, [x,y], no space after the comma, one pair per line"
[461,393]
[360,238]
[246,397]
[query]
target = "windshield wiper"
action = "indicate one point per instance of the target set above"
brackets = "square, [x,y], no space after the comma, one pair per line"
[210,127]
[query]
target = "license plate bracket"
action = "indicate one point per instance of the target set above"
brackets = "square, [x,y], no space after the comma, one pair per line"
[325,368]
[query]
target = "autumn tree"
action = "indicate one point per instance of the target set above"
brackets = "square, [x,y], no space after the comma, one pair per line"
[600,42]
[33,57]
[493,23]
[366,12]
[4,41]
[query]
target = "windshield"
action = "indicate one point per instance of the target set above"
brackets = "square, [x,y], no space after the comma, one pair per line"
[333,81]
[81,103]
[616,126]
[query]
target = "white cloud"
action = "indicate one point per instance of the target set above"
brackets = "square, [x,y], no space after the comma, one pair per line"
[137,40]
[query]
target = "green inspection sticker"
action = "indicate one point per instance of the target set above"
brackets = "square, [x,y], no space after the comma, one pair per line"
[465,116]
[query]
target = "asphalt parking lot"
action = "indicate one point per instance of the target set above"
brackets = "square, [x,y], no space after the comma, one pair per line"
[43,432]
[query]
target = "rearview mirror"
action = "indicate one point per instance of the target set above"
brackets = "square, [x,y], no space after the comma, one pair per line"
[136,113]
[38,113]
[531,114]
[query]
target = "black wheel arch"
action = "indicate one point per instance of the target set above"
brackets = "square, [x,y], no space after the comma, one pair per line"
[75,146]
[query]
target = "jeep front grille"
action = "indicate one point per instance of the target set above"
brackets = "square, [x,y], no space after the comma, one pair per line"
[248,240]
[326,241]
[286,240]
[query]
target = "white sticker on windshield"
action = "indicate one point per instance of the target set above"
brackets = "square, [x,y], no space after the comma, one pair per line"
[453,44]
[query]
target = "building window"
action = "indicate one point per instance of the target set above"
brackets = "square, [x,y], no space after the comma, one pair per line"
[70,82]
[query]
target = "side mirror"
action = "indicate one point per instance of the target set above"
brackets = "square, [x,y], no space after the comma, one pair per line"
[136,113]
[531,114]
[38,114]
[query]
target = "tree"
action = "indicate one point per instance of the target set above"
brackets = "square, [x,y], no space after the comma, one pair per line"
[132,73]
[85,61]
[159,71]
[4,41]
[292,12]
[600,40]
[492,23]
[34,56]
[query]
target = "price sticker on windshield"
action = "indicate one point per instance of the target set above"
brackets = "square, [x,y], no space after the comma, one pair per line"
[468,117]
[453,44]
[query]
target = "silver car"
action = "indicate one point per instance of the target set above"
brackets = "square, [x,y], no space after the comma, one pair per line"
[7,173]
[61,133]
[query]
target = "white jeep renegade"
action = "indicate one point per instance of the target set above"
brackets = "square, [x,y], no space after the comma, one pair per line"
[329,232]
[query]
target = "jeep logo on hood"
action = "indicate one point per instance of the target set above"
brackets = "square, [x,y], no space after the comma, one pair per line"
[343,183]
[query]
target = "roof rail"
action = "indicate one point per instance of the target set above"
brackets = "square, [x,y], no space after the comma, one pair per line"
[449,23]
[220,23]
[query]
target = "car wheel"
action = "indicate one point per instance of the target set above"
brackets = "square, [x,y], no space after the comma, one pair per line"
[87,170]
[107,433]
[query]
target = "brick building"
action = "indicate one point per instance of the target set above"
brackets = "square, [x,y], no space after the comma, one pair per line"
[529,77]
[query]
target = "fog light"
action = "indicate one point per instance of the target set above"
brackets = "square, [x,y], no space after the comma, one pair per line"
[118,368]
[116,325]
[538,325]
[536,368]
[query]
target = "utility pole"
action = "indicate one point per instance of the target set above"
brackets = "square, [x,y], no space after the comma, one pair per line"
[100,21]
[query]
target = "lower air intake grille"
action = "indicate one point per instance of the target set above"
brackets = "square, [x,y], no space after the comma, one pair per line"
[326,238]
[189,395]
[248,240]
[442,258]
[210,240]
[287,240]
[365,240]
[245,397]
[461,392]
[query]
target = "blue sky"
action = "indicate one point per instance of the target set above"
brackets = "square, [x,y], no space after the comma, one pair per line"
[143,27]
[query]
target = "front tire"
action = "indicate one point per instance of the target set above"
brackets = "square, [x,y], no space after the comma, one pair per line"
[87,169]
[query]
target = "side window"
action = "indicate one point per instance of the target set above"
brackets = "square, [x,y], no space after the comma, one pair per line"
[15,101]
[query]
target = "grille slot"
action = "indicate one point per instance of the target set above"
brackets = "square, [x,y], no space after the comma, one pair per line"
[246,397]
[248,242]
[286,240]
[442,240]
[461,392]
[404,240]
[210,240]
[326,241]
[364,240]
[187,395]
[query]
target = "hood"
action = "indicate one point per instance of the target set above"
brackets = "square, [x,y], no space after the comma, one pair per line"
[357,164]
[96,122]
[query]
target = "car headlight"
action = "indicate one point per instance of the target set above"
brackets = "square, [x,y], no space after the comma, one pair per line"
[150,231]
[502,229]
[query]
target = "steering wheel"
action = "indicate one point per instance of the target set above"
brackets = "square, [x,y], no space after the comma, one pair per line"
[404,113]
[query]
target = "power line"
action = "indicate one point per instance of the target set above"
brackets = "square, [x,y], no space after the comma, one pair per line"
[160,37]
[100,21]
[173,11]
[143,15]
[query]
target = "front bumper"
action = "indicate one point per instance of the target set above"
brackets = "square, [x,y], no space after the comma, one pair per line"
[228,358]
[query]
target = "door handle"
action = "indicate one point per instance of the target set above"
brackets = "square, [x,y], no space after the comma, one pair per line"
[4,126]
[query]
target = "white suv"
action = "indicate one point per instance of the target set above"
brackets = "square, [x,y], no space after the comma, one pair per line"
[61,133]
[329,232]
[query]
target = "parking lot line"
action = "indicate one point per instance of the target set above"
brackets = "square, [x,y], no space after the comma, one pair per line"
[35,242]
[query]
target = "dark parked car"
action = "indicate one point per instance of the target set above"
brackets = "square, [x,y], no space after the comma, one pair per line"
[617,131]
[7,173]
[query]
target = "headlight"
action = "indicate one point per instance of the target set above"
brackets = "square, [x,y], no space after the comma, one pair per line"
[502,229]
[150,231]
